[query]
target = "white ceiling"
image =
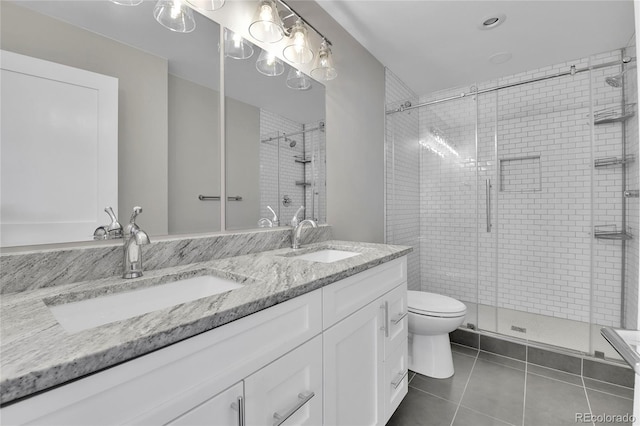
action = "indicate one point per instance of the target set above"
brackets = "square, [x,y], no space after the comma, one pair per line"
[433,45]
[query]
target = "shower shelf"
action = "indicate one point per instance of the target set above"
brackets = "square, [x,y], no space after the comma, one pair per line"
[610,232]
[614,115]
[301,159]
[613,161]
[302,183]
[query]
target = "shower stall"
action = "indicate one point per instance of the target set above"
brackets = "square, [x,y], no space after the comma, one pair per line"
[520,198]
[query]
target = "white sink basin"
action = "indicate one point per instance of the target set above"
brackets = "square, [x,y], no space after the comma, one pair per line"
[326,255]
[86,314]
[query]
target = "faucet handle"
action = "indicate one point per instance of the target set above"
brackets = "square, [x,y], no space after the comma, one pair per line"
[275,221]
[114,228]
[295,220]
[132,222]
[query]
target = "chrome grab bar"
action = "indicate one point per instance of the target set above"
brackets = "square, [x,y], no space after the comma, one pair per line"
[488,187]
[399,378]
[303,398]
[239,406]
[399,318]
[217,198]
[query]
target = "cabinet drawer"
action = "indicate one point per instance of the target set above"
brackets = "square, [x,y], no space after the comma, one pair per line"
[218,411]
[343,298]
[397,319]
[396,378]
[160,386]
[289,390]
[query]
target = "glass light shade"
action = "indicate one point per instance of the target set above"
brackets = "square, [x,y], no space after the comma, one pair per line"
[127,2]
[266,25]
[235,46]
[174,15]
[298,80]
[298,50]
[323,68]
[269,65]
[206,4]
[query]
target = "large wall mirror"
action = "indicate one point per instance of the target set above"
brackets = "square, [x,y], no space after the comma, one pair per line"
[275,143]
[168,130]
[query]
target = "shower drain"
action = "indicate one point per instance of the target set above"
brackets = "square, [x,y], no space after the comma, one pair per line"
[518,329]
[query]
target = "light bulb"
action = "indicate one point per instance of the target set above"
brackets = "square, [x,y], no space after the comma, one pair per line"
[266,12]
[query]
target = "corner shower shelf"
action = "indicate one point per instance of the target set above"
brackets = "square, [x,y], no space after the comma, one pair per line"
[301,159]
[614,115]
[301,183]
[610,232]
[613,161]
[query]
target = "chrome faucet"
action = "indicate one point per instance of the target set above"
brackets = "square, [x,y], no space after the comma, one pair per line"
[134,237]
[111,231]
[297,230]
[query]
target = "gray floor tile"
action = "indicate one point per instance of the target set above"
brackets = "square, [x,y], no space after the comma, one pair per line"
[502,360]
[496,391]
[550,402]
[452,388]
[503,347]
[465,337]
[464,350]
[554,374]
[411,376]
[621,391]
[603,404]
[466,417]
[422,409]
[617,374]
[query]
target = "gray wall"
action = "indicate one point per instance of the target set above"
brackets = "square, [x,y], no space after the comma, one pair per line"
[355,133]
[142,137]
[194,156]
[242,146]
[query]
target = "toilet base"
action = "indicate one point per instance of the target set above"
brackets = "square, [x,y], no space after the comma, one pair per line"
[431,355]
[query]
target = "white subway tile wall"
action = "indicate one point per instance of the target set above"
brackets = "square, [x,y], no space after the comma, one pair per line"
[281,175]
[537,146]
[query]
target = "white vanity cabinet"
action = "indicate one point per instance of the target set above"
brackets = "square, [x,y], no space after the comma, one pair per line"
[285,392]
[334,356]
[365,351]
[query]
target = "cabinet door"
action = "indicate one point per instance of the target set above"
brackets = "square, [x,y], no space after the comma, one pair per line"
[223,409]
[396,317]
[289,390]
[395,378]
[353,368]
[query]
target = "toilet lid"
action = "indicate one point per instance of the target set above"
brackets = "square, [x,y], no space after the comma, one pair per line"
[434,304]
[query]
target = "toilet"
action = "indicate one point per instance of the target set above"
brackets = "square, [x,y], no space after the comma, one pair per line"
[431,318]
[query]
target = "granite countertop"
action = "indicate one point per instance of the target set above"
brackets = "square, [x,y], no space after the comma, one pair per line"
[36,353]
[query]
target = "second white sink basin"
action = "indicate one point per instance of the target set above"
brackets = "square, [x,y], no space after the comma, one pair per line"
[327,255]
[89,313]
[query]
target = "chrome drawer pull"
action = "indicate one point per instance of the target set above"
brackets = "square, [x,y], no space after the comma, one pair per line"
[303,399]
[239,407]
[399,318]
[399,379]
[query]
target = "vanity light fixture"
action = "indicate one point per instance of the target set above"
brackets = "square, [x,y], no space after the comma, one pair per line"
[269,64]
[175,15]
[208,5]
[298,80]
[235,46]
[323,68]
[298,50]
[266,25]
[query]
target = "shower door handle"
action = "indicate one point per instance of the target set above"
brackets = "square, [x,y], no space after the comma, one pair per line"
[488,187]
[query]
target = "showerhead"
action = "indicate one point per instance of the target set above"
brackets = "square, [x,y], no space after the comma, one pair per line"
[615,81]
[292,143]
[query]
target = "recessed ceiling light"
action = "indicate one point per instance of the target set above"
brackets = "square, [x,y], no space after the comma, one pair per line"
[492,21]
[500,58]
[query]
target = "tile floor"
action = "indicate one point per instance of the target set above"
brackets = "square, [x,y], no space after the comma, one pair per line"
[489,389]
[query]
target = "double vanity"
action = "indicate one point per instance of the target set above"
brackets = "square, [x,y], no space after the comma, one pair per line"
[316,335]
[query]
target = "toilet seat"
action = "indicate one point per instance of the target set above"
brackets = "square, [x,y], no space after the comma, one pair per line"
[434,305]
